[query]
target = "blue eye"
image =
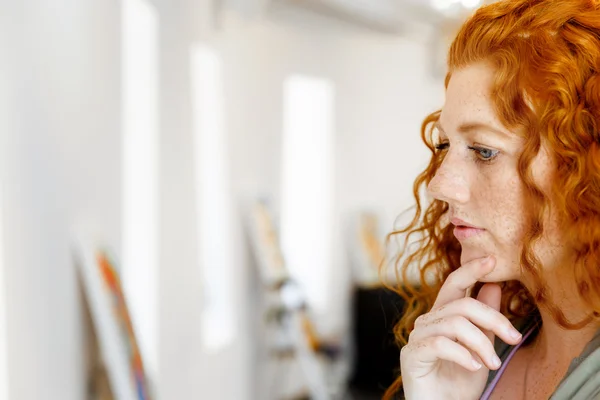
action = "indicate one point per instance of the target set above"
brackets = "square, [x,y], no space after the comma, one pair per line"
[484,154]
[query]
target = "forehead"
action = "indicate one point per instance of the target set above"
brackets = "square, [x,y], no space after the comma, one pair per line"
[468,97]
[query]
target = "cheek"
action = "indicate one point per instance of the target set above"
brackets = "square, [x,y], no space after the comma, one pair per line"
[506,216]
[502,212]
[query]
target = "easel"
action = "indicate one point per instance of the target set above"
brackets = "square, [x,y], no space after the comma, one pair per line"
[287,311]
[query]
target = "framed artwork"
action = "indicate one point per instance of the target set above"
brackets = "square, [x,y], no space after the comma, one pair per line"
[111,322]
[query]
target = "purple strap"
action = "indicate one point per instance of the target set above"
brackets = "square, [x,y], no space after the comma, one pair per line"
[488,391]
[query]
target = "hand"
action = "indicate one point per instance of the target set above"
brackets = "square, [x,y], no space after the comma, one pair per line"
[451,349]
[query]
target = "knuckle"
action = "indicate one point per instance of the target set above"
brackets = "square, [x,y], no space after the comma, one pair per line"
[436,342]
[470,302]
[411,336]
[420,320]
[452,277]
[408,355]
[470,305]
[405,350]
[438,321]
[456,322]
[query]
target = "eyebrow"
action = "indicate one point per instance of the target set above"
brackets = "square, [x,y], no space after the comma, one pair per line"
[467,127]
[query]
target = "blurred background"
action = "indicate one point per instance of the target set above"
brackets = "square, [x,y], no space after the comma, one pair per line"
[240,160]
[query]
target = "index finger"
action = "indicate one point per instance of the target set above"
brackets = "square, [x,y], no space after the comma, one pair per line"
[459,281]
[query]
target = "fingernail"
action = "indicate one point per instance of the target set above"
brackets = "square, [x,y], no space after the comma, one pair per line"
[513,333]
[476,364]
[496,361]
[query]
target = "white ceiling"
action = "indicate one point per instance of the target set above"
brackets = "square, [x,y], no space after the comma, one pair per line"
[399,17]
[385,15]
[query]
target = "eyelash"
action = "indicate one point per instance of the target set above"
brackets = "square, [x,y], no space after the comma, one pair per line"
[476,149]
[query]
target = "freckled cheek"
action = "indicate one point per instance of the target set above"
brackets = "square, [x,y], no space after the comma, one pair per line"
[506,231]
[506,219]
[515,233]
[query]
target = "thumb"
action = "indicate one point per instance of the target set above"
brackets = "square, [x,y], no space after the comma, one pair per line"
[491,295]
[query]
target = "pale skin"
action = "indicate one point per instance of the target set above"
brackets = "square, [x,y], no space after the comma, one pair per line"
[479,180]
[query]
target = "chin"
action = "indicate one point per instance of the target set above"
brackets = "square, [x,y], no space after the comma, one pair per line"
[502,271]
[469,254]
[499,274]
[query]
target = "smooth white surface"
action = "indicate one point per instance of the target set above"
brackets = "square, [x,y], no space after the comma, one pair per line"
[444,5]
[307,180]
[5,126]
[471,3]
[140,174]
[60,165]
[213,197]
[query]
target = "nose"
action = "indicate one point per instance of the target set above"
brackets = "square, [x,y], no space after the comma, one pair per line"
[450,183]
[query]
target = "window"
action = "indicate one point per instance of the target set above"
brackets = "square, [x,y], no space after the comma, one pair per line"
[307,184]
[214,200]
[140,174]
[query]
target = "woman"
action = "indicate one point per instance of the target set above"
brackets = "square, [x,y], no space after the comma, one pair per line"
[509,247]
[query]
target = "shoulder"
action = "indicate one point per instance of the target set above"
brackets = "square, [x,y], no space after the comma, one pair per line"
[582,380]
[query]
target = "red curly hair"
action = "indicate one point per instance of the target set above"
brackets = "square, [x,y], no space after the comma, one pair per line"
[546,58]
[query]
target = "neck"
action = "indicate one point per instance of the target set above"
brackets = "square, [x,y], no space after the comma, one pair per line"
[555,343]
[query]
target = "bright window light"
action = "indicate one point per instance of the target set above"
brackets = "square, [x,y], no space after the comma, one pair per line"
[444,5]
[307,184]
[470,3]
[140,174]
[214,201]
[441,4]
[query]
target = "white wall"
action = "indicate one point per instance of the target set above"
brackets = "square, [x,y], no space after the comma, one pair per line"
[179,277]
[60,166]
[5,126]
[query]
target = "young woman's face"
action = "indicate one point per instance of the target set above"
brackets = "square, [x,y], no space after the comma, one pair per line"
[479,180]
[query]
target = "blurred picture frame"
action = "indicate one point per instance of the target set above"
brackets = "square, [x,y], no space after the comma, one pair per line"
[121,365]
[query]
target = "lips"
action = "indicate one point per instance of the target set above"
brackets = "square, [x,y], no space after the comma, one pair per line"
[463,230]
